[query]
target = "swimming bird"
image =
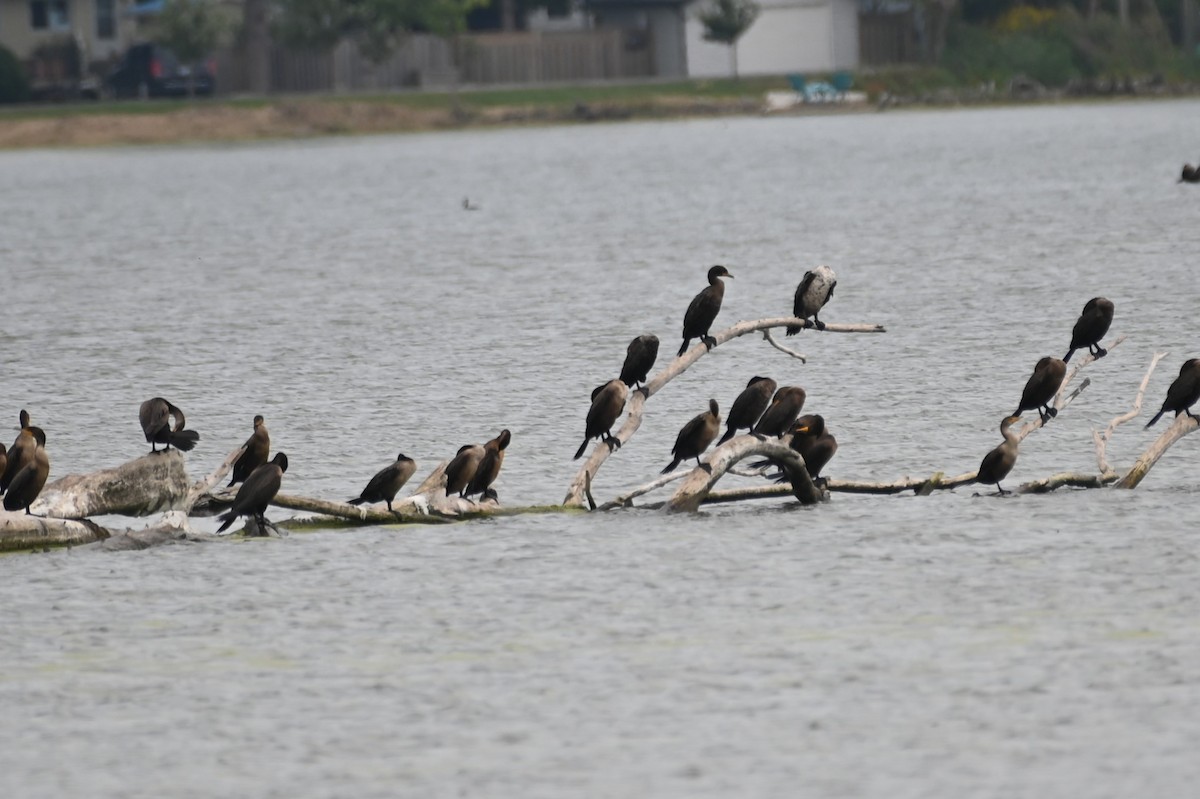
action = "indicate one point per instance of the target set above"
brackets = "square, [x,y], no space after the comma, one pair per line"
[815,289]
[20,453]
[468,205]
[462,468]
[695,436]
[27,483]
[257,492]
[489,467]
[608,401]
[1043,384]
[703,310]
[1092,325]
[748,406]
[154,415]
[814,442]
[1191,174]
[387,482]
[258,447]
[640,356]
[999,462]
[1182,394]
[782,412]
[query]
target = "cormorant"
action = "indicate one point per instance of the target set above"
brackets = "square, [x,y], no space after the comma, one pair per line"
[1092,325]
[695,436]
[27,483]
[489,467]
[258,447]
[154,415]
[462,468]
[815,444]
[1191,174]
[20,453]
[704,309]
[782,412]
[1183,393]
[815,289]
[999,462]
[1043,384]
[608,401]
[257,492]
[639,360]
[387,482]
[748,406]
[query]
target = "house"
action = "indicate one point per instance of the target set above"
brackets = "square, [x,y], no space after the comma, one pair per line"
[788,36]
[101,29]
[662,22]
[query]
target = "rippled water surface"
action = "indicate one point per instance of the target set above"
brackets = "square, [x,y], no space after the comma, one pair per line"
[953,645]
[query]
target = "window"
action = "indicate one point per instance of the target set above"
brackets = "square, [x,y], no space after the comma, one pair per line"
[49,14]
[106,19]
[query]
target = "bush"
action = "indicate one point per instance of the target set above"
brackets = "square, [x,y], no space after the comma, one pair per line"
[14,86]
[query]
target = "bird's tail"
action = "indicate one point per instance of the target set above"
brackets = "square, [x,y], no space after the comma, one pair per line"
[582,448]
[184,440]
[670,466]
[792,330]
[1155,419]
[1067,357]
[228,519]
[728,435]
[356,501]
[683,347]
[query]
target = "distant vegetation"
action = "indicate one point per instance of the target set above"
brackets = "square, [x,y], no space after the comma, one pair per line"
[14,88]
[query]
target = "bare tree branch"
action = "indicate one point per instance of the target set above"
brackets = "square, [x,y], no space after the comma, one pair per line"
[1183,425]
[1103,439]
[699,481]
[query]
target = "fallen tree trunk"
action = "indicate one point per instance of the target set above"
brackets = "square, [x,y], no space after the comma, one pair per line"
[1182,426]
[576,491]
[21,531]
[150,484]
[700,480]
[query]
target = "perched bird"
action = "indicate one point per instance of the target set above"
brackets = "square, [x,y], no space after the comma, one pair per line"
[27,483]
[1182,394]
[387,482]
[704,309]
[748,406]
[782,412]
[999,462]
[489,467]
[1092,325]
[1191,174]
[695,436]
[608,401]
[154,415]
[639,360]
[814,442]
[815,289]
[258,447]
[257,492]
[1043,384]
[20,453]
[462,468]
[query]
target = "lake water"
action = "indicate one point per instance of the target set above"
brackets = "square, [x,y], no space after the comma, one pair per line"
[955,645]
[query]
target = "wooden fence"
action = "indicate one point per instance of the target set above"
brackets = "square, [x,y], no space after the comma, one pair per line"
[887,38]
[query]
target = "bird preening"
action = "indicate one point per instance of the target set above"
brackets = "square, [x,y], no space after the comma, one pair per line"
[999,462]
[257,449]
[29,477]
[155,416]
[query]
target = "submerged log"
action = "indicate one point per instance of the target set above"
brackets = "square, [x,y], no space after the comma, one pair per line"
[143,486]
[587,473]
[21,531]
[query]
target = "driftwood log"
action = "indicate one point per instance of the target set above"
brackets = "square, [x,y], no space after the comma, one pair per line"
[633,420]
[700,480]
[142,487]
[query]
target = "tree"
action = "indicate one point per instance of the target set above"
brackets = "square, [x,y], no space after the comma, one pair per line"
[377,26]
[191,29]
[726,21]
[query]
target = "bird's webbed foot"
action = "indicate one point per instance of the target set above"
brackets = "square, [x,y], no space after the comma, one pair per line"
[817,323]
[709,342]
[613,442]
[645,390]
[1099,353]
[706,467]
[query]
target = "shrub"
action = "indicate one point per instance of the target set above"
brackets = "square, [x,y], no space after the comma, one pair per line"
[14,86]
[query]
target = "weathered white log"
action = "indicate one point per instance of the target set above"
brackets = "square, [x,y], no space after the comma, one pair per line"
[699,481]
[1103,439]
[679,365]
[1066,479]
[626,500]
[1182,426]
[21,531]
[150,484]
[771,340]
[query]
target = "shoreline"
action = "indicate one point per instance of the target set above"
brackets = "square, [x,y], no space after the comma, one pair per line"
[304,117]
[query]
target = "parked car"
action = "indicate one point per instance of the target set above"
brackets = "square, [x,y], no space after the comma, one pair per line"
[151,70]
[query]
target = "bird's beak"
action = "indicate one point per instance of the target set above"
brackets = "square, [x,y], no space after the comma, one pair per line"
[729,276]
[803,429]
